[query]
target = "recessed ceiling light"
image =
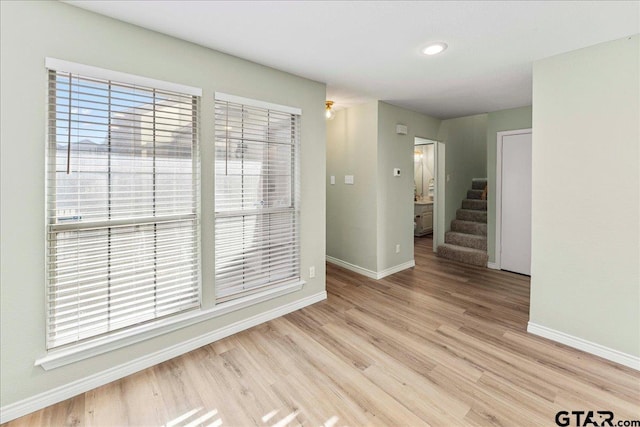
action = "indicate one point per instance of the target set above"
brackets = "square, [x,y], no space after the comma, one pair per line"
[434,48]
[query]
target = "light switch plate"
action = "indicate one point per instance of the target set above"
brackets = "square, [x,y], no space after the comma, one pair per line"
[333,180]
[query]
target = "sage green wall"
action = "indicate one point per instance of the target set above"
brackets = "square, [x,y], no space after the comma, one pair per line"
[395,194]
[352,149]
[366,220]
[31,31]
[585,278]
[498,121]
[465,139]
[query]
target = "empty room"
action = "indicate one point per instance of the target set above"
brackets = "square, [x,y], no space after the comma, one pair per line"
[281,213]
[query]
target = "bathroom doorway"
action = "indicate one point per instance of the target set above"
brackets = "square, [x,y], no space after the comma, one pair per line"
[428,166]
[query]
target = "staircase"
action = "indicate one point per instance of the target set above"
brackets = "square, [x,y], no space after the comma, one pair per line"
[467,240]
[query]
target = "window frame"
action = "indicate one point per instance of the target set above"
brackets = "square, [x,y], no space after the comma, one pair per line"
[70,351]
[58,357]
[296,117]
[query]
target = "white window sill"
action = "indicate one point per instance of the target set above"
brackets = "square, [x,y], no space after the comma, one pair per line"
[119,339]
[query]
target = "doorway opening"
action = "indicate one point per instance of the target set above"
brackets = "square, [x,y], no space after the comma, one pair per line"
[428,191]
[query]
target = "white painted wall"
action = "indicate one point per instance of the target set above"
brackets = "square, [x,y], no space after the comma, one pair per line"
[31,31]
[586,195]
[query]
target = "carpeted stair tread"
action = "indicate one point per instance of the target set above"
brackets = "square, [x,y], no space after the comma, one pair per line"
[471,215]
[467,240]
[462,254]
[469,227]
[473,241]
[474,194]
[478,183]
[479,205]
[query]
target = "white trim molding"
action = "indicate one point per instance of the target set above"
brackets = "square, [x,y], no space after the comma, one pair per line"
[493,265]
[58,394]
[376,275]
[590,347]
[220,96]
[355,268]
[396,269]
[102,73]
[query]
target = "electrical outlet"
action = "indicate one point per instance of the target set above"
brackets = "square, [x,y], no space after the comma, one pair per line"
[397,249]
[312,272]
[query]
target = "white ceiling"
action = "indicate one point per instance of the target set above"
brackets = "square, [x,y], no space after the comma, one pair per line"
[367,50]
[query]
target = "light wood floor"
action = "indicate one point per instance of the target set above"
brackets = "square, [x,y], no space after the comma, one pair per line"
[440,344]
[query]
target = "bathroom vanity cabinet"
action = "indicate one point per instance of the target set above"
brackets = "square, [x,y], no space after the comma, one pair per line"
[423,218]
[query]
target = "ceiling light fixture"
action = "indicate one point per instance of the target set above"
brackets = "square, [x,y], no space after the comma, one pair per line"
[329,114]
[434,48]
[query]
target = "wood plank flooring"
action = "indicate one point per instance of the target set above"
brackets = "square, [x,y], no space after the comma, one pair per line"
[441,344]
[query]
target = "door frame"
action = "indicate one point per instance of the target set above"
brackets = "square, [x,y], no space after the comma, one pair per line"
[438,189]
[498,232]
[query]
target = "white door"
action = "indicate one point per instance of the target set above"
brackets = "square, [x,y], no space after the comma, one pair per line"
[516,203]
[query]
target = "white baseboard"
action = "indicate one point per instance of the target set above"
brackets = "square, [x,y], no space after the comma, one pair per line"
[396,268]
[584,345]
[355,268]
[58,394]
[493,265]
[370,273]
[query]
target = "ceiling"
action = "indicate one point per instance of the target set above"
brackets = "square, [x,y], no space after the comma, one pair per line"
[366,50]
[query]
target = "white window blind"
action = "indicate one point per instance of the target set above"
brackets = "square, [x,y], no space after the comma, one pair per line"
[256,199]
[122,206]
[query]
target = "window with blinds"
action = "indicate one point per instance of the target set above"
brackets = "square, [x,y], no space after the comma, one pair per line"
[122,205]
[256,196]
